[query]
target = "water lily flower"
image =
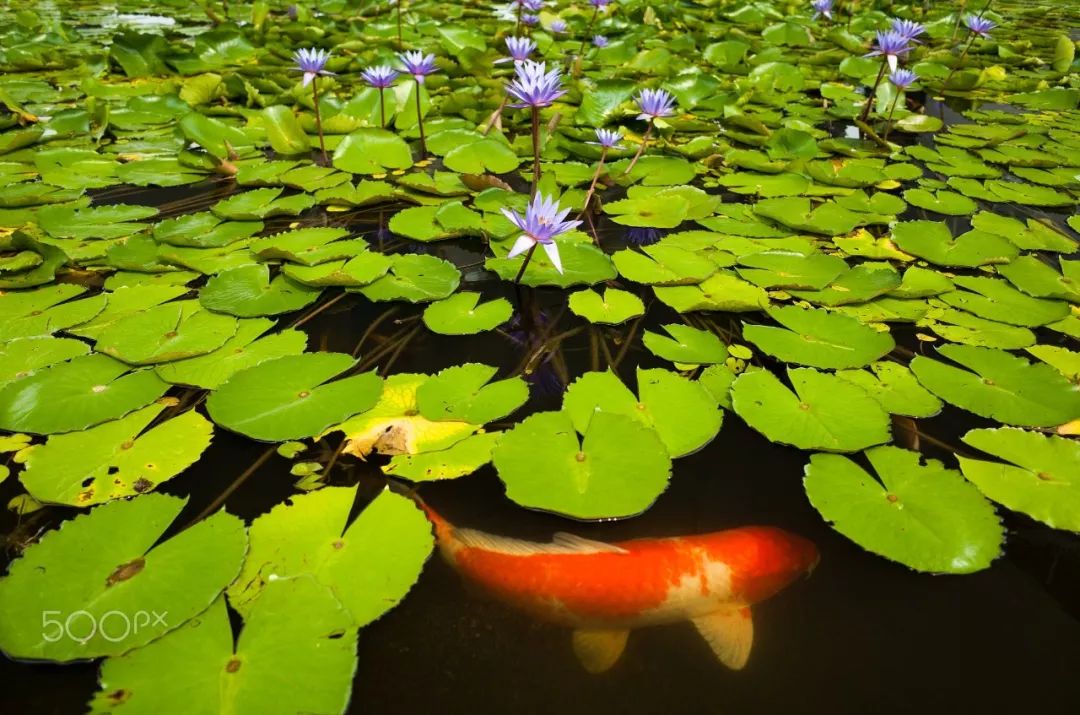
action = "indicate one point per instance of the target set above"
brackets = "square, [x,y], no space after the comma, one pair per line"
[541,224]
[535,86]
[380,78]
[979,25]
[902,79]
[531,5]
[530,20]
[558,26]
[890,45]
[599,41]
[822,8]
[418,64]
[519,48]
[312,63]
[642,236]
[909,29]
[655,104]
[599,3]
[607,139]
[293,12]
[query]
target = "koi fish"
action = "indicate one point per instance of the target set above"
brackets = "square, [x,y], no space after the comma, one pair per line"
[604,590]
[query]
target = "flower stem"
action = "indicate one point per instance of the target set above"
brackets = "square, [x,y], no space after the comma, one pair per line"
[420,123]
[892,108]
[851,13]
[959,14]
[595,178]
[641,149]
[873,92]
[494,117]
[959,63]
[588,30]
[318,117]
[382,106]
[525,263]
[536,151]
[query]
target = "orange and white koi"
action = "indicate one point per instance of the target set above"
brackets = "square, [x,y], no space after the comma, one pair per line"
[603,590]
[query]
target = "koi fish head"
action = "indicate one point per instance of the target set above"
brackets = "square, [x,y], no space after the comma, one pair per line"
[763,559]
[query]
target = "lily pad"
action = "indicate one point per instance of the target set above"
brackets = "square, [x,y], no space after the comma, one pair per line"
[460,314]
[615,307]
[165,333]
[688,346]
[369,564]
[823,412]
[618,470]
[458,460]
[919,514]
[248,292]
[819,338]
[85,574]
[292,397]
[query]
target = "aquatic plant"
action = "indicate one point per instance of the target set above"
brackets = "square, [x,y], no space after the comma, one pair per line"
[822,8]
[312,62]
[535,87]
[652,104]
[542,223]
[597,6]
[381,78]
[901,79]
[978,26]
[607,140]
[419,66]
[888,45]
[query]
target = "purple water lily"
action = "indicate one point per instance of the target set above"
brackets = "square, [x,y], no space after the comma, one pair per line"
[607,139]
[599,3]
[530,5]
[535,86]
[418,64]
[822,8]
[541,224]
[979,25]
[530,20]
[599,41]
[909,29]
[655,104]
[890,45]
[519,48]
[312,63]
[381,78]
[558,26]
[902,79]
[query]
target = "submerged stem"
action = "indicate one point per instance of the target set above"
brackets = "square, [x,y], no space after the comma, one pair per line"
[525,264]
[420,122]
[641,149]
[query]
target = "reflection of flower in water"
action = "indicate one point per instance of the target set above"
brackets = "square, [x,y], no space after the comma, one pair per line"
[528,334]
[641,236]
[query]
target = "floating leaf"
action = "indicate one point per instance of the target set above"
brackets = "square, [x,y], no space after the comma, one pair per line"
[248,292]
[460,314]
[164,333]
[415,278]
[1041,480]
[824,412]
[458,460]
[819,338]
[615,307]
[115,459]
[462,394]
[618,470]
[369,565]
[85,574]
[686,345]
[922,515]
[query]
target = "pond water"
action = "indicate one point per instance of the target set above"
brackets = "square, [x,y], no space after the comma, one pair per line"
[862,634]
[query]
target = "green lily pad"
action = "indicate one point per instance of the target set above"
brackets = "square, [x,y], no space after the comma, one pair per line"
[115,459]
[721,291]
[261,203]
[292,397]
[372,151]
[994,299]
[369,565]
[934,242]
[895,388]
[663,264]
[415,278]
[458,460]
[1041,479]
[85,575]
[614,307]
[460,314]
[688,346]
[1000,386]
[682,412]
[248,292]
[279,662]
[165,333]
[583,264]
[921,515]
[462,394]
[21,357]
[787,269]
[819,338]
[824,412]
[618,470]
[77,394]
[245,349]
[942,202]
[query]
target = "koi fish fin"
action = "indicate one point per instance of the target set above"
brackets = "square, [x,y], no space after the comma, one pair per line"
[580,543]
[729,633]
[598,650]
